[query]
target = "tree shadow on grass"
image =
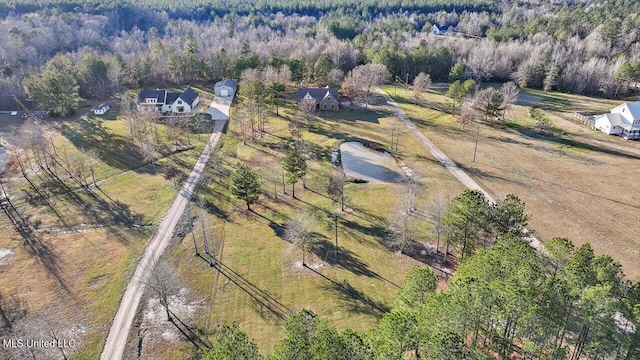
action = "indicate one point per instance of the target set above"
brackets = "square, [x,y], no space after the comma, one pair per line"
[35,246]
[355,115]
[115,150]
[212,209]
[188,332]
[264,299]
[355,300]
[373,230]
[344,259]
[435,261]
[556,139]
[96,207]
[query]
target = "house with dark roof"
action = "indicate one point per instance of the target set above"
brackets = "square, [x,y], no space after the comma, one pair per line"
[161,100]
[225,88]
[438,30]
[101,109]
[324,98]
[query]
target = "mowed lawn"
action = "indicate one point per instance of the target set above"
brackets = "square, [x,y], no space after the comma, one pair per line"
[87,246]
[580,184]
[350,291]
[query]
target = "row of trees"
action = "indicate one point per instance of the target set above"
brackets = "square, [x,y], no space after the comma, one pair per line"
[246,185]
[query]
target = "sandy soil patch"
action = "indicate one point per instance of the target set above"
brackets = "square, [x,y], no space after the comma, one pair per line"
[6,255]
[156,332]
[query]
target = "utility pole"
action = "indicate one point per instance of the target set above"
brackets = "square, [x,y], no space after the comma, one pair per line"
[335,218]
[475,149]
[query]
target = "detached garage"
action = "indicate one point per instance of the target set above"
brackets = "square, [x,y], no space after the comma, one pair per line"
[225,88]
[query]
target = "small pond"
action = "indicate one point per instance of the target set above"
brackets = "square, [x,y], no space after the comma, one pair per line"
[365,164]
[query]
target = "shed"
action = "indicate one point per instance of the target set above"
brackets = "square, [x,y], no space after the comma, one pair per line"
[225,88]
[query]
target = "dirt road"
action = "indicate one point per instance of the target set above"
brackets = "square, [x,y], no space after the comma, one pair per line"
[449,164]
[119,332]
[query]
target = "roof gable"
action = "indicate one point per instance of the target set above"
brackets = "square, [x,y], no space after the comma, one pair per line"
[225,82]
[159,95]
[189,96]
[629,110]
[318,94]
[172,97]
[104,105]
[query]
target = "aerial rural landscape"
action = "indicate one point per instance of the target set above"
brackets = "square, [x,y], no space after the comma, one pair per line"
[311,180]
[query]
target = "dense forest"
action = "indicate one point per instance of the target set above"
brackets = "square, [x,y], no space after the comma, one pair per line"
[588,47]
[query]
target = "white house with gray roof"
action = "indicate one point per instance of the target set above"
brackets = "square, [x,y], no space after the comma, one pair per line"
[163,101]
[623,120]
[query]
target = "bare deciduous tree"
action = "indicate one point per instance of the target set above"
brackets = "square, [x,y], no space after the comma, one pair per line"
[467,112]
[243,118]
[149,153]
[337,181]
[163,282]
[208,239]
[397,127]
[421,83]
[365,77]
[298,231]
[435,211]
[401,226]
[509,91]
[335,78]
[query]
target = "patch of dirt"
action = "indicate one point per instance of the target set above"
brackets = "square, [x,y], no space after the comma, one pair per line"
[6,255]
[313,265]
[157,332]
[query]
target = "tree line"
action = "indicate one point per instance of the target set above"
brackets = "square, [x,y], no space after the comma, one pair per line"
[562,48]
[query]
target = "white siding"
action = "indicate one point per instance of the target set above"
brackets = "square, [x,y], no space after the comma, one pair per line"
[224,91]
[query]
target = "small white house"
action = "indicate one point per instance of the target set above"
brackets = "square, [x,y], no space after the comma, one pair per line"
[623,120]
[101,109]
[225,88]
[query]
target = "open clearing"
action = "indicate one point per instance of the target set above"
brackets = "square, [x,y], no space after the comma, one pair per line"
[86,241]
[362,163]
[261,281]
[578,184]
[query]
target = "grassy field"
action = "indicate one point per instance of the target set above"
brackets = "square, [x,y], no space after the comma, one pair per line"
[264,281]
[580,184]
[85,247]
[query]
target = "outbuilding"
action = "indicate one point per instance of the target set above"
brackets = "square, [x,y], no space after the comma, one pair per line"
[225,88]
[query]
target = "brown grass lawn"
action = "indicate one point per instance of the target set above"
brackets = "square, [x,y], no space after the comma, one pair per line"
[86,253]
[581,184]
[352,292]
